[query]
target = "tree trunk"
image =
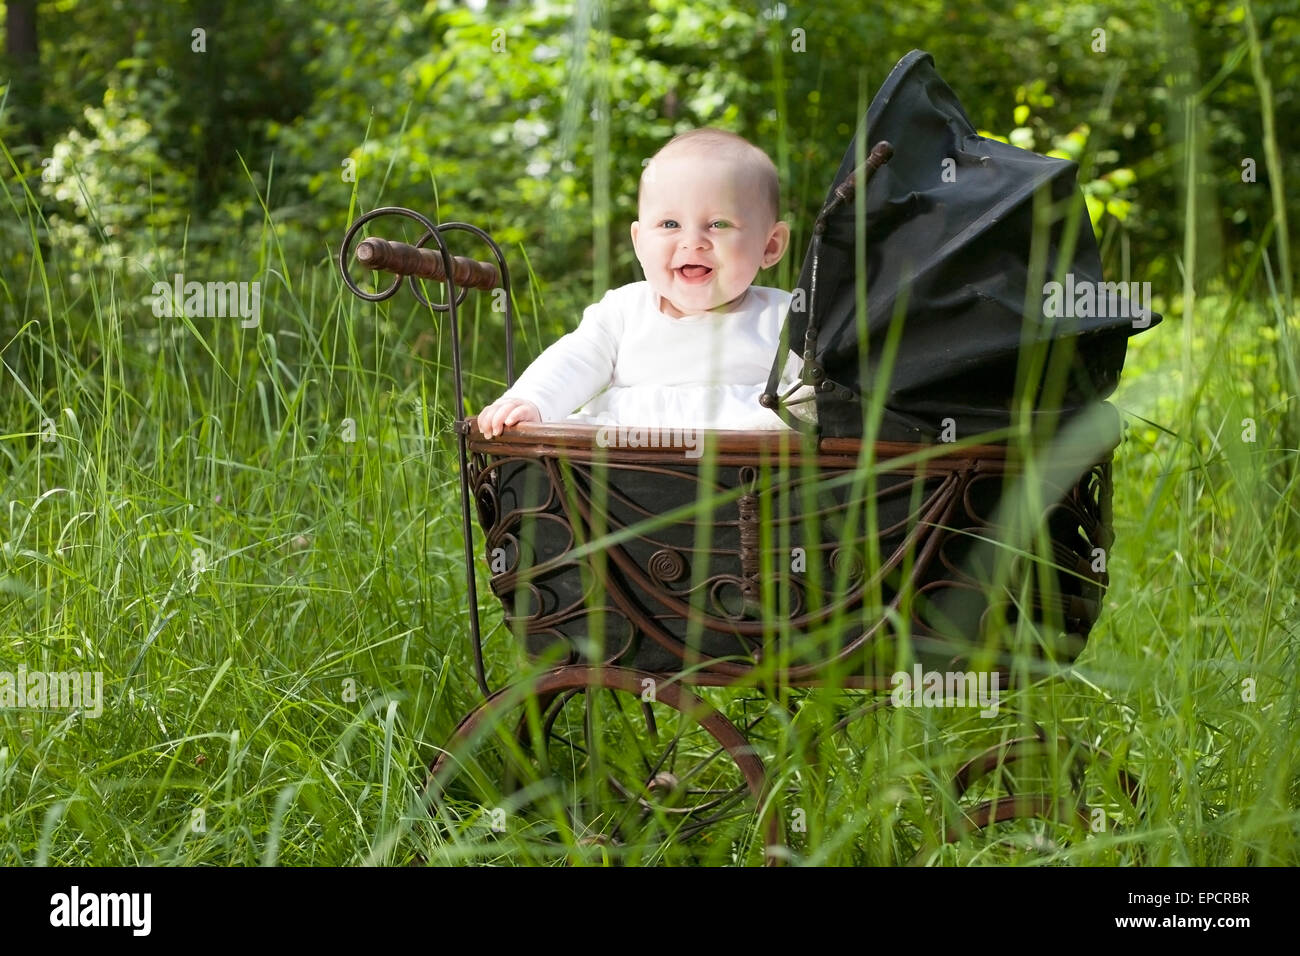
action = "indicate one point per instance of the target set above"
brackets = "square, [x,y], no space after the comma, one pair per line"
[23,50]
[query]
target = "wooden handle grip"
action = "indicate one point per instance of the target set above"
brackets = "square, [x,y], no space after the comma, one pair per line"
[402,259]
[881,153]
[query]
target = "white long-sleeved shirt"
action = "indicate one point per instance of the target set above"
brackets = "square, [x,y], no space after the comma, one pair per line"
[628,363]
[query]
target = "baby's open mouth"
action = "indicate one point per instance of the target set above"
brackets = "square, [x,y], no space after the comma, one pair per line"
[694,271]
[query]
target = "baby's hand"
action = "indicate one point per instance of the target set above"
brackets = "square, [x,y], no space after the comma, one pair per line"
[501,414]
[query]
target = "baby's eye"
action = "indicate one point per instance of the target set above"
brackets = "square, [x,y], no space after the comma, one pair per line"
[721,223]
[669,224]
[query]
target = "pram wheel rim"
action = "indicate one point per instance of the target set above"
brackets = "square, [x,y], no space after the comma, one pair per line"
[581,678]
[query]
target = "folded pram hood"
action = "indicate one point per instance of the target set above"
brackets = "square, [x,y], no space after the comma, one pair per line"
[950,221]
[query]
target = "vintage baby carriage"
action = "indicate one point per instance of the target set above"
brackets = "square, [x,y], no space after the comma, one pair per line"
[908,527]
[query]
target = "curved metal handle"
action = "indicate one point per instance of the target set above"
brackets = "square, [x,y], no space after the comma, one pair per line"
[403,259]
[409,263]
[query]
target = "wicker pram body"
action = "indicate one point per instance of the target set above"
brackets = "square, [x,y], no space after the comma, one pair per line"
[780,548]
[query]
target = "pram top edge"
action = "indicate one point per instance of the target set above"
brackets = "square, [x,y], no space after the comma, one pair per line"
[584,442]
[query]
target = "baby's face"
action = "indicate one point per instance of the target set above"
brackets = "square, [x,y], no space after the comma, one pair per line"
[704,232]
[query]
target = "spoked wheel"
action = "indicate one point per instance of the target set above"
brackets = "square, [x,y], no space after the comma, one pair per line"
[1033,793]
[607,764]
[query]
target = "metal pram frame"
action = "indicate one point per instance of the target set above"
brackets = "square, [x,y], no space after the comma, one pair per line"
[670,616]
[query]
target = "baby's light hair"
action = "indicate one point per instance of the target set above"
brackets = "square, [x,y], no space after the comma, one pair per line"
[708,141]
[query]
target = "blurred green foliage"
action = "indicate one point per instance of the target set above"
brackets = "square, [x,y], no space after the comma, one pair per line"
[532,119]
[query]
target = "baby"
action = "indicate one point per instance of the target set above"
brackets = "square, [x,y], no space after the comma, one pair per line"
[693,344]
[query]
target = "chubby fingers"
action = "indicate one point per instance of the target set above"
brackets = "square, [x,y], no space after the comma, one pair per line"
[500,415]
[496,416]
[522,412]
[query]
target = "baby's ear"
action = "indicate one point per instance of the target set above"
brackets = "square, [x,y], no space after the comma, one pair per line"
[636,226]
[777,242]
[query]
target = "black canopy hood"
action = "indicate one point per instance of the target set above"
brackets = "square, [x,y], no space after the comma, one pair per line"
[949,224]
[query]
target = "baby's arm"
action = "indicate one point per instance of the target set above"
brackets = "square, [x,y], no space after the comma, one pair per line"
[565,376]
